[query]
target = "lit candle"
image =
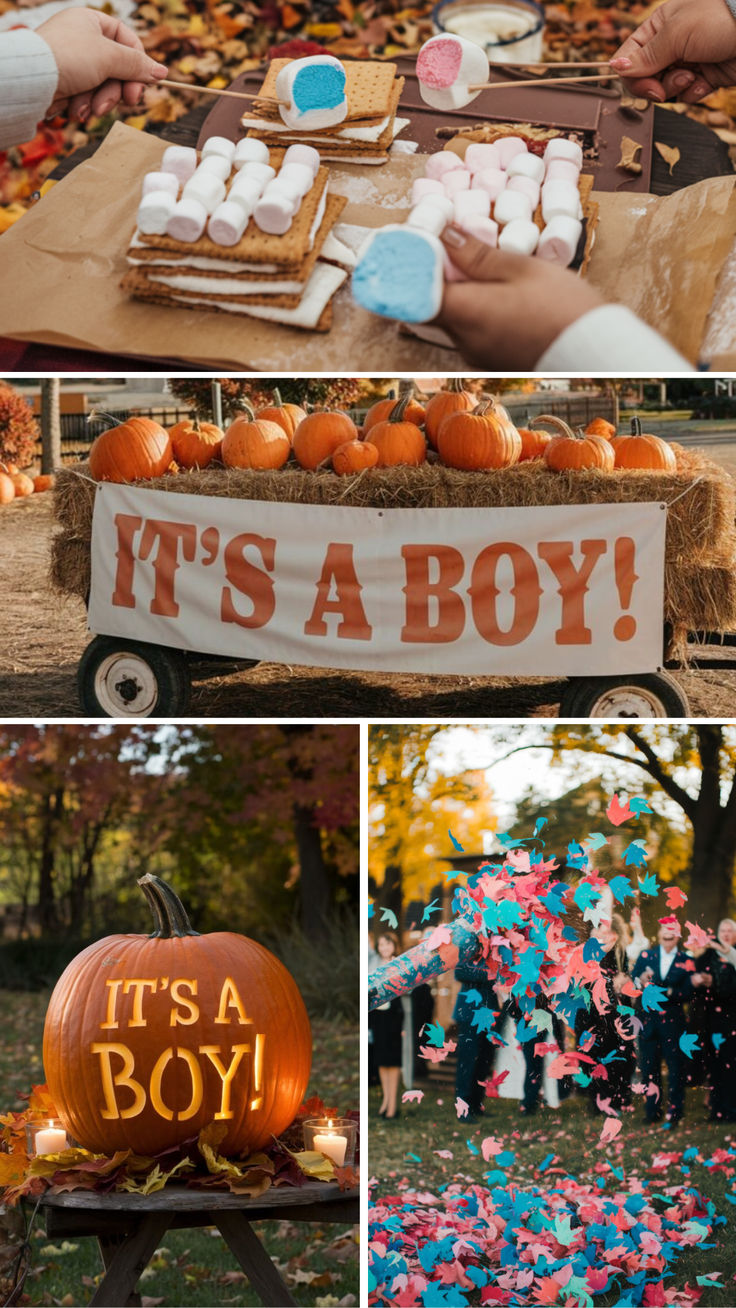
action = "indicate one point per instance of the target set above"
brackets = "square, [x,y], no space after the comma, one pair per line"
[332,1144]
[51,1140]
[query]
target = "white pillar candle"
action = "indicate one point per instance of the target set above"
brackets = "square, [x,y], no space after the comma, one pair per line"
[333,1145]
[52,1140]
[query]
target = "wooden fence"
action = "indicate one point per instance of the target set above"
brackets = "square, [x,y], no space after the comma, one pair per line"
[78,431]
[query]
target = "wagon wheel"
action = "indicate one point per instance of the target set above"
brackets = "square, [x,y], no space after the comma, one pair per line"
[120,678]
[648,695]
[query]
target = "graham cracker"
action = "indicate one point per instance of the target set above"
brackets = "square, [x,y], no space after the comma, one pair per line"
[368,88]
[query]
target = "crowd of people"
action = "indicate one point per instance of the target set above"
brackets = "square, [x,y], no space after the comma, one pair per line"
[691,1030]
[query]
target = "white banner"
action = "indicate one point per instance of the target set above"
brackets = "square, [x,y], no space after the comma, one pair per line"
[573,590]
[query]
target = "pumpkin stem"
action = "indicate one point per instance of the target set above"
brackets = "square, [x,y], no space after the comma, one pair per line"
[399,409]
[95,414]
[561,426]
[169,915]
[636,426]
[457,385]
[241,404]
[277,400]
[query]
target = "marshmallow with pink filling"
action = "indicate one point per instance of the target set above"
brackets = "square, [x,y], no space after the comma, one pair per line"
[482,154]
[511,205]
[559,240]
[181,160]
[187,221]
[311,92]
[227,223]
[447,66]
[490,180]
[521,236]
[161,182]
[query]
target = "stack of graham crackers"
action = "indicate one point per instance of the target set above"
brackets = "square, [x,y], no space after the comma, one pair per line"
[372,90]
[289,279]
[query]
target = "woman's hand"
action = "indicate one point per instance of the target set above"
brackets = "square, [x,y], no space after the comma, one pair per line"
[100,62]
[684,51]
[512,307]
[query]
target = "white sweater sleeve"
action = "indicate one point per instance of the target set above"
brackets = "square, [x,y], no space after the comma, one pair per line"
[28,78]
[608,338]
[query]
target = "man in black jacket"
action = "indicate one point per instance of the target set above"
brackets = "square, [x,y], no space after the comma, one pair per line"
[659,1039]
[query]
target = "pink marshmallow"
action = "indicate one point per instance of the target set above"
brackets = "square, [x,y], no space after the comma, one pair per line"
[490,180]
[484,230]
[456,181]
[471,204]
[559,240]
[509,147]
[181,160]
[525,186]
[227,224]
[422,186]
[187,221]
[442,162]
[562,170]
[482,154]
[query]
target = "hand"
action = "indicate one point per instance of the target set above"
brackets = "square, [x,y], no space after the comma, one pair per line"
[512,308]
[684,51]
[645,977]
[100,62]
[619,981]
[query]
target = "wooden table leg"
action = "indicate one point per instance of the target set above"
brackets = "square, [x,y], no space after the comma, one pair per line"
[109,1245]
[253,1258]
[129,1260]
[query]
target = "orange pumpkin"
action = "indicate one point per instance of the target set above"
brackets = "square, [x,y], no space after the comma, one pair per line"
[195,444]
[318,436]
[381,410]
[7,489]
[533,443]
[10,468]
[600,427]
[251,442]
[483,438]
[287,416]
[354,456]
[454,400]
[575,450]
[397,440]
[133,451]
[23,485]
[645,451]
[44,482]
[150,1038]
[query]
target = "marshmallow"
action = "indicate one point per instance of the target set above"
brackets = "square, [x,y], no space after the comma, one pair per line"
[432,214]
[227,223]
[422,186]
[509,147]
[245,191]
[562,170]
[471,203]
[187,221]
[490,180]
[446,67]
[181,160]
[161,182]
[219,145]
[154,212]
[399,273]
[206,188]
[249,150]
[521,236]
[261,172]
[511,205]
[525,186]
[457,180]
[442,162]
[560,198]
[484,230]
[312,92]
[482,154]
[274,213]
[286,190]
[527,165]
[216,164]
[560,148]
[559,240]
[300,175]
[303,154]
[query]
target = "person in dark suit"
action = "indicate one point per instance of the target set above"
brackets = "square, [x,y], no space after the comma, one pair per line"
[475,1050]
[665,965]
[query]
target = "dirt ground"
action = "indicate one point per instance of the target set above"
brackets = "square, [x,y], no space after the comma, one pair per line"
[43,636]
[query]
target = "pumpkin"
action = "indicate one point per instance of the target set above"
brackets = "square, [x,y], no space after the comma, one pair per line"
[397,440]
[7,489]
[287,416]
[600,427]
[381,410]
[44,482]
[533,443]
[318,436]
[483,438]
[10,468]
[575,450]
[643,450]
[23,484]
[195,443]
[455,399]
[251,442]
[133,451]
[354,456]
[149,1038]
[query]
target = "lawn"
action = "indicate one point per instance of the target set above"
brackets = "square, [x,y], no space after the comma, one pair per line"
[320,1264]
[402,1155]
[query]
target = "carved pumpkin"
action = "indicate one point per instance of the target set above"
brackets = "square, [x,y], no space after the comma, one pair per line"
[454,400]
[7,489]
[137,449]
[354,456]
[195,444]
[44,482]
[287,416]
[150,1038]
[575,450]
[250,442]
[397,440]
[482,438]
[642,450]
[381,410]
[23,485]
[318,436]
[600,427]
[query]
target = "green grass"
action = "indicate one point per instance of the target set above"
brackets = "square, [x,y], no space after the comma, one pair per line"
[572,1135]
[193,1266]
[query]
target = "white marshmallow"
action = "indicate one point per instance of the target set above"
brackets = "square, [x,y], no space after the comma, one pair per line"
[311,92]
[562,170]
[560,198]
[560,148]
[446,67]
[444,161]
[422,186]
[432,214]
[286,190]
[521,236]
[161,182]
[482,154]
[509,147]
[471,203]
[511,205]
[245,191]
[527,165]
[299,175]
[274,214]
[456,181]
[187,221]
[205,187]
[154,212]
[490,180]
[216,164]
[219,145]
[261,172]
[181,160]
[303,154]
[227,223]
[559,240]
[527,187]
[249,150]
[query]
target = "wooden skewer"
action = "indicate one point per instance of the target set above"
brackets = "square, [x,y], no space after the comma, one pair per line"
[539,81]
[547,65]
[212,90]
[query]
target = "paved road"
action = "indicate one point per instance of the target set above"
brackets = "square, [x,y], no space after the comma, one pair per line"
[689,432]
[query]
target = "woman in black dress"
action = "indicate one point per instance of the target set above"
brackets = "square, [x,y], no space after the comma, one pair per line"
[612,1029]
[723,1033]
[387,1026]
